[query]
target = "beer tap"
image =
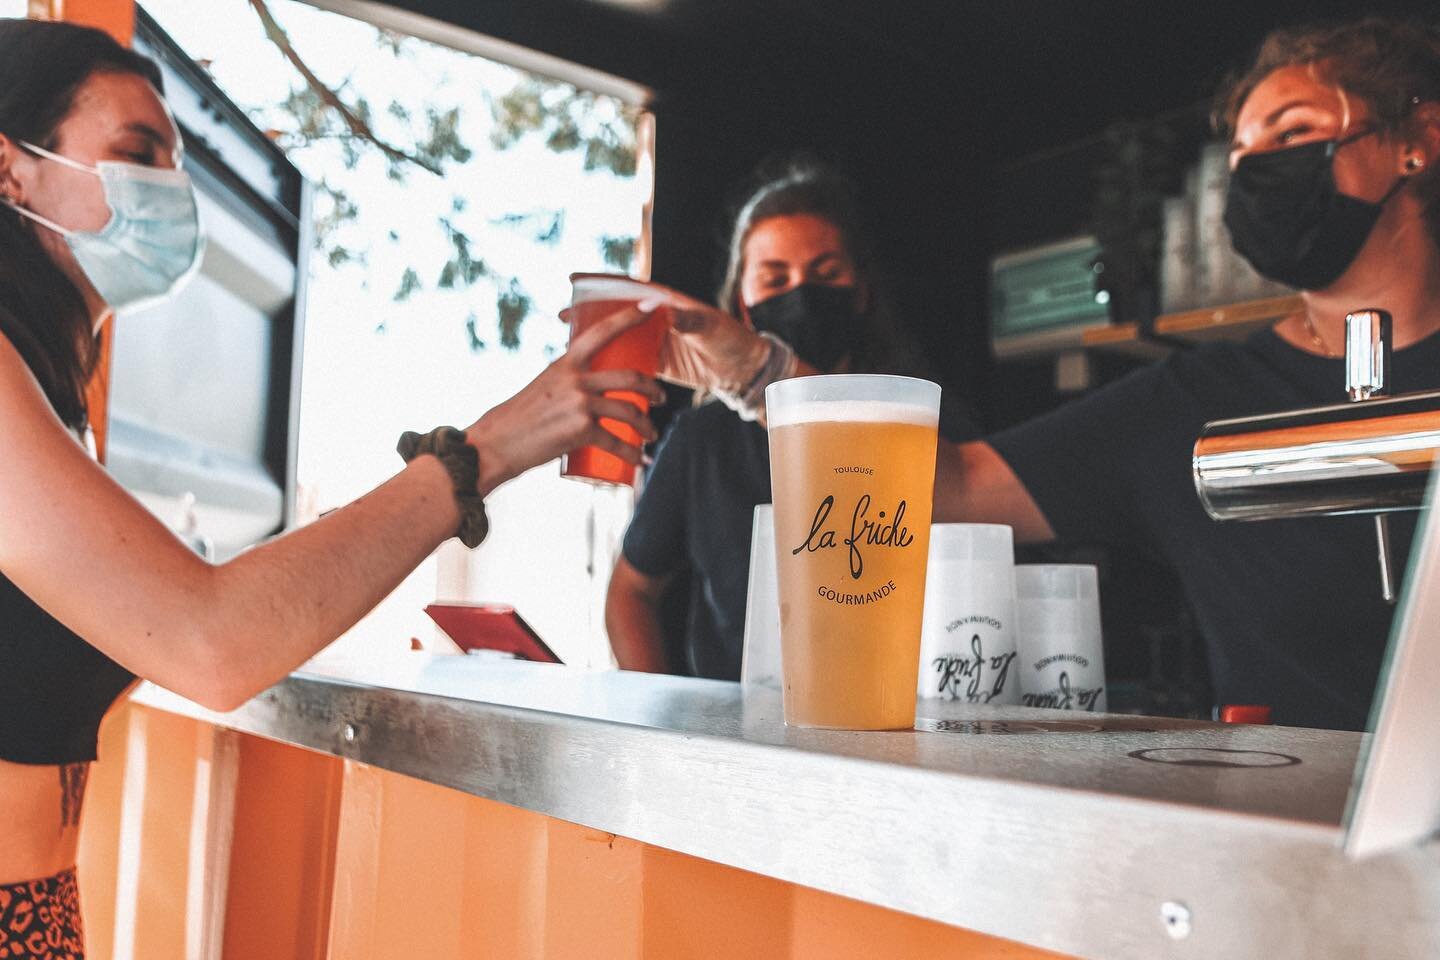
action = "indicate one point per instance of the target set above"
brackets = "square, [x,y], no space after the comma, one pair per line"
[1373,454]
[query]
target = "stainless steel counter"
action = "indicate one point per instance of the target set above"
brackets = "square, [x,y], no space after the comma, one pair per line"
[1098,836]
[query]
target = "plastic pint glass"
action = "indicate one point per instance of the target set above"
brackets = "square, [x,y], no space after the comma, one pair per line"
[595,296]
[852,467]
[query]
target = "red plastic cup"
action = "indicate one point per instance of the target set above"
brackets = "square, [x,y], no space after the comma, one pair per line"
[595,296]
[1244,713]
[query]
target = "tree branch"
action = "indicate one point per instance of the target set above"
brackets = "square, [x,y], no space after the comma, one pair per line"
[352,120]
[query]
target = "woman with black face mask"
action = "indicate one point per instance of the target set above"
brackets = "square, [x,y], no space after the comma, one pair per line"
[1335,134]
[800,272]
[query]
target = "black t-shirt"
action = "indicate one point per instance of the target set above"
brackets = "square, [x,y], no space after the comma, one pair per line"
[1290,609]
[695,514]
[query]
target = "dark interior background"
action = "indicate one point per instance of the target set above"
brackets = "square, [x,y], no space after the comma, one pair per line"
[972,128]
[928,103]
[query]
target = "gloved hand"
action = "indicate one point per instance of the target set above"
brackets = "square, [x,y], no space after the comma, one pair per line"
[707,349]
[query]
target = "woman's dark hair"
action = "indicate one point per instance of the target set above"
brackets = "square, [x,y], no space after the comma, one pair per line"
[42,65]
[1392,64]
[808,187]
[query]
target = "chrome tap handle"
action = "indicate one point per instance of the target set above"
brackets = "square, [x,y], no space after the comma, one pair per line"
[1367,374]
[1367,354]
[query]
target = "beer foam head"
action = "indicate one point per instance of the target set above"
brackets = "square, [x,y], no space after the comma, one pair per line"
[851,411]
[589,287]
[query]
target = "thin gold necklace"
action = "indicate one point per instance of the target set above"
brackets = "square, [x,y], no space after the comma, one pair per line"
[1315,337]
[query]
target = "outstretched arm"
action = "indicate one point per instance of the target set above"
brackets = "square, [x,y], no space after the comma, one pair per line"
[974,484]
[76,543]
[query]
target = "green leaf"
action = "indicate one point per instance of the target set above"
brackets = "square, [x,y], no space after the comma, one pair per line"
[409,284]
[472,323]
[618,252]
[391,41]
[512,307]
[474,271]
[443,141]
[553,231]
[565,137]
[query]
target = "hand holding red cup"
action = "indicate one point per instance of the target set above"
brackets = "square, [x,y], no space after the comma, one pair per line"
[596,296]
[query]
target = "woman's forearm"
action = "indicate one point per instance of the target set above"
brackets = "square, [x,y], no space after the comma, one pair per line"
[84,550]
[973,484]
[636,636]
[632,619]
[293,595]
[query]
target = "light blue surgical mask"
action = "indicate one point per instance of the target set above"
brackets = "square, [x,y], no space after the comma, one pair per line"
[152,244]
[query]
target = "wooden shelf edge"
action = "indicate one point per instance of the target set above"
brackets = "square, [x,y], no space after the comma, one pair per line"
[1231,319]
[1123,338]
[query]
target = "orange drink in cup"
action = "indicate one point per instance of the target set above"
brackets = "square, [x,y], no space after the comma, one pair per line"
[595,296]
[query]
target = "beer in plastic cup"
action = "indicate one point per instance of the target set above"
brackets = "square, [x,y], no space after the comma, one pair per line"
[852,466]
[594,297]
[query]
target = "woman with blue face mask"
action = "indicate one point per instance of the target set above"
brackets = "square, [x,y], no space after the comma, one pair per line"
[151,242]
[1335,137]
[97,214]
[800,273]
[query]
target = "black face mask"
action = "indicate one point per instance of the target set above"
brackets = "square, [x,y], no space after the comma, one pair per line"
[1286,216]
[819,321]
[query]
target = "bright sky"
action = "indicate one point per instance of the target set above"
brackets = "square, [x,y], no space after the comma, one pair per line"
[363,388]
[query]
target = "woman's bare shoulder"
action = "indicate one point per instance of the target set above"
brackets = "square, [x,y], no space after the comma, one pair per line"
[13,369]
[10,359]
[20,393]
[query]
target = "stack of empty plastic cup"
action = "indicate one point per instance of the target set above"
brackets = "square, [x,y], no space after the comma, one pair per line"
[1062,663]
[967,645]
[760,661]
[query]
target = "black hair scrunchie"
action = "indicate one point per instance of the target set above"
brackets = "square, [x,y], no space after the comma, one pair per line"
[462,461]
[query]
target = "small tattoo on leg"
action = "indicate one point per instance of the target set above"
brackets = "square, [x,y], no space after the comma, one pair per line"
[73,777]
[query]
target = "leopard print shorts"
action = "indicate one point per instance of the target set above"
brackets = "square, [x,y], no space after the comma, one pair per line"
[40,919]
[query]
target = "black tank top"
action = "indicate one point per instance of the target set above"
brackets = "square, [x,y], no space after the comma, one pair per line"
[54,687]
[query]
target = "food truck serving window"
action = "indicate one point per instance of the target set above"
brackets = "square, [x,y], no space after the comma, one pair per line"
[204,386]
[444,237]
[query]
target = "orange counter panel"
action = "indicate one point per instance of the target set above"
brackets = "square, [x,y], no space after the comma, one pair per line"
[115,17]
[314,857]
[282,852]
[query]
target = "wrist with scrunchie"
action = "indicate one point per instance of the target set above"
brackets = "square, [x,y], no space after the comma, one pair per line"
[462,461]
[779,364]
